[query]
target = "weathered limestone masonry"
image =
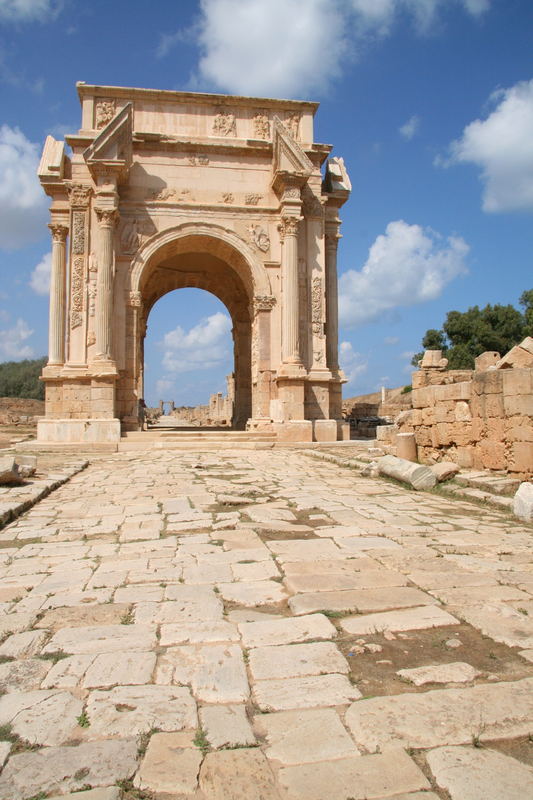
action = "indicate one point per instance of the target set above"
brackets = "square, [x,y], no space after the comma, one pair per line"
[481,419]
[167,190]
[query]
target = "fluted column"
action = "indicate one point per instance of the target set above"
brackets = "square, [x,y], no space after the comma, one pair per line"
[332,302]
[290,288]
[104,285]
[56,329]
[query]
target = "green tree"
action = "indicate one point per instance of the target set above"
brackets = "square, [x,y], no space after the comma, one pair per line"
[467,334]
[21,379]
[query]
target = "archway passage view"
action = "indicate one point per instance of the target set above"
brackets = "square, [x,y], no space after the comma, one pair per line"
[189,364]
[175,190]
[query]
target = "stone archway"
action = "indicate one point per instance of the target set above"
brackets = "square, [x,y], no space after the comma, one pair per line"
[201,257]
[174,189]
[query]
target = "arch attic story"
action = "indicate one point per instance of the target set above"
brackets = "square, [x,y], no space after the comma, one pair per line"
[166,190]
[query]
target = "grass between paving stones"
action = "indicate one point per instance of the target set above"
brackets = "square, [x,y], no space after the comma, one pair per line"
[83,720]
[58,655]
[144,740]
[201,742]
[128,618]
[130,792]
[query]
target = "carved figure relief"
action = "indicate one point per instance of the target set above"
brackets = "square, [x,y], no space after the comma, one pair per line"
[312,206]
[135,299]
[224,124]
[316,308]
[259,237]
[193,160]
[91,338]
[292,125]
[104,111]
[78,232]
[92,297]
[261,125]
[227,197]
[318,356]
[79,195]
[252,199]
[134,233]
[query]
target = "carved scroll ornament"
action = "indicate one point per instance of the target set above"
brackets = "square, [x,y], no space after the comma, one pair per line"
[316,307]
[104,111]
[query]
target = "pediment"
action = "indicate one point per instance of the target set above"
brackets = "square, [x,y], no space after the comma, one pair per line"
[112,148]
[289,158]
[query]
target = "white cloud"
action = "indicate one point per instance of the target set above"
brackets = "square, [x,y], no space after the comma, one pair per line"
[12,341]
[164,386]
[22,201]
[502,146]
[406,265]
[352,363]
[27,10]
[391,340]
[40,277]
[269,47]
[410,128]
[204,346]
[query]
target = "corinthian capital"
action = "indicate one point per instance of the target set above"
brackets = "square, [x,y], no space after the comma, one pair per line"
[59,232]
[107,217]
[288,226]
[79,195]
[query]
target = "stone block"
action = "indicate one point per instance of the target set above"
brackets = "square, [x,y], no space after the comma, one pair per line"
[518,381]
[78,431]
[519,356]
[486,360]
[409,619]
[9,472]
[237,774]
[415,475]
[523,502]
[492,454]
[518,404]
[522,457]
[406,446]
[294,431]
[455,672]
[325,430]
[27,465]
[424,397]
[343,431]
[432,359]
[462,411]
[489,382]
[454,391]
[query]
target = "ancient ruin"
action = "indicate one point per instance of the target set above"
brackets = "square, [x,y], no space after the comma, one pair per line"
[167,190]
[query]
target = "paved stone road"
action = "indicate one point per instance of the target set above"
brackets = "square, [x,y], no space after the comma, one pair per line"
[262,625]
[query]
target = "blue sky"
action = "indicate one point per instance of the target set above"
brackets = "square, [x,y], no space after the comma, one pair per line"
[430,102]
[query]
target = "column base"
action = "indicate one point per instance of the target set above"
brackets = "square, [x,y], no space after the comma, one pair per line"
[78,431]
[325,430]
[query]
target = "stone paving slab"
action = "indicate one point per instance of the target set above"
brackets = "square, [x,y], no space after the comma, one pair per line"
[405,620]
[363,778]
[306,692]
[170,765]
[469,773]
[444,716]
[286,630]
[286,661]
[130,710]
[63,769]
[359,600]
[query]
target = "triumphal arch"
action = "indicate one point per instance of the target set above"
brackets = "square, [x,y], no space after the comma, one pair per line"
[165,190]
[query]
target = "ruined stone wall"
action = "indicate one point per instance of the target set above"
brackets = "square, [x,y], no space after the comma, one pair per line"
[480,420]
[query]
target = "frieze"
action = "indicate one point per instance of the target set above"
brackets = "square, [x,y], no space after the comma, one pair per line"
[261,125]
[79,195]
[104,111]
[224,124]
[259,237]
[78,232]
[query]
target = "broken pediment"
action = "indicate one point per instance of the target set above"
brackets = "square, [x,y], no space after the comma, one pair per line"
[289,158]
[52,163]
[112,148]
[337,181]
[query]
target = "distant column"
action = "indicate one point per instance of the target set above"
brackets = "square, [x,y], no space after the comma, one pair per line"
[56,329]
[104,285]
[290,288]
[332,303]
